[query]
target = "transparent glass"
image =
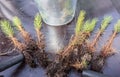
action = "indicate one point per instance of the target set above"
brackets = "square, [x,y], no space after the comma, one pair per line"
[56,12]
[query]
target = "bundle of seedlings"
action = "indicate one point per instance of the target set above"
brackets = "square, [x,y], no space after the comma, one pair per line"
[60,66]
[8,30]
[82,56]
[105,22]
[33,47]
[71,54]
[21,47]
[89,48]
[107,50]
[30,48]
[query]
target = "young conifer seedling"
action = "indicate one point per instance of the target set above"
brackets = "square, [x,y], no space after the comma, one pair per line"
[37,26]
[106,51]
[30,43]
[40,54]
[18,24]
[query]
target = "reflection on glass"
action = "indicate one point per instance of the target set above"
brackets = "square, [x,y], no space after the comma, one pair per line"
[57,12]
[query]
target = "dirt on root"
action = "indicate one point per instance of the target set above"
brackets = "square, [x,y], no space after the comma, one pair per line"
[62,65]
[6,44]
[35,56]
[97,63]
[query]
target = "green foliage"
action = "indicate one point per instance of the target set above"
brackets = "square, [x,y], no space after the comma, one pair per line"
[89,25]
[80,21]
[84,63]
[117,26]
[105,22]
[37,21]
[17,21]
[6,28]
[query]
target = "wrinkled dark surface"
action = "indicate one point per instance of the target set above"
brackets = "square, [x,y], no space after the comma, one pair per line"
[58,37]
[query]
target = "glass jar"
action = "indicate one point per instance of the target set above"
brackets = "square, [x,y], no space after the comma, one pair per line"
[56,12]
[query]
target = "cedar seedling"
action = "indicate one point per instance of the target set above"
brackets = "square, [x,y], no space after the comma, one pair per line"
[85,57]
[30,49]
[104,25]
[106,51]
[34,49]
[80,21]
[37,26]
[40,55]
[8,30]
[18,25]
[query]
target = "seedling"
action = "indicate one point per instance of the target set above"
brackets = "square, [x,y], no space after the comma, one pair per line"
[37,25]
[106,51]
[18,25]
[40,54]
[8,30]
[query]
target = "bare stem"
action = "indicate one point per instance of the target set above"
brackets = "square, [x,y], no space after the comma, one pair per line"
[77,40]
[17,44]
[25,35]
[106,49]
[94,42]
[40,38]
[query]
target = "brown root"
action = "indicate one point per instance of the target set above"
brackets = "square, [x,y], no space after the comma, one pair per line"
[59,68]
[61,65]
[42,58]
[76,58]
[6,53]
[29,59]
[28,53]
[83,59]
[97,63]
[40,54]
